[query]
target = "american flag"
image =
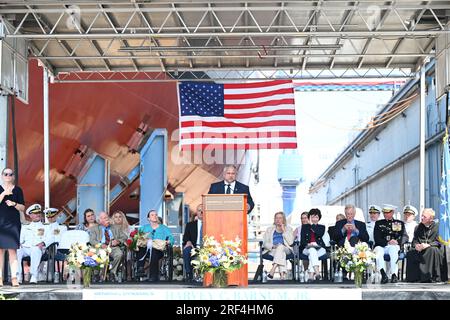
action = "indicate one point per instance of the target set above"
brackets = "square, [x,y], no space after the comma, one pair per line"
[259,115]
[444,208]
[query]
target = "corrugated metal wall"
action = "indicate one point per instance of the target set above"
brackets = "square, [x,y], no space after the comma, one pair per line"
[385,169]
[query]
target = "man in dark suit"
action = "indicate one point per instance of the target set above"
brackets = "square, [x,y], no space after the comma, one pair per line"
[350,229]
[229,185]
[192,238]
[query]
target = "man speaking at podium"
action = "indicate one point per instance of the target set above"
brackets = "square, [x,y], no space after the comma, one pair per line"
[229,185]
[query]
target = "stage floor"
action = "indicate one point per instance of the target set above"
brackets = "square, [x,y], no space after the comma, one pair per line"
[274,290]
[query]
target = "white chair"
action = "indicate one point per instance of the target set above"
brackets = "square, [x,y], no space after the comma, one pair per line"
[69,238]
[73,236]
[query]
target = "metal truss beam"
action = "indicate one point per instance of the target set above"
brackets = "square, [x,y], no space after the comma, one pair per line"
[228,35]
[230,75]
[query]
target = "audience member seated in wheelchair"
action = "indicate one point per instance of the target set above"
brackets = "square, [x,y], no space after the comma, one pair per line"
[158,235]
[109,235]
[278,240]
[426,262]
[312,244]
[192,238]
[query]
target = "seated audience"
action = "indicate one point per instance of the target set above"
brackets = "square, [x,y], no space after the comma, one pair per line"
[409,217]
[426,262]
[33,240]
[312,244]
[89,221]
[374,216]
[192,238]
[332,229]
[349,228]
[119,219]
[156,231]
[278,240]
[389,235]
[54,231]
[108,235]
[298,231]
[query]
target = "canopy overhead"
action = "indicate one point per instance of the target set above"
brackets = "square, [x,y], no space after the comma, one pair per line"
[230,39]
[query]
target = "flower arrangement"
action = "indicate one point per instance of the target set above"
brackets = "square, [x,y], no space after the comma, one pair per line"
[177,264]
[214,256]
[355,259]
[83,256]
[138,239]
[87,258]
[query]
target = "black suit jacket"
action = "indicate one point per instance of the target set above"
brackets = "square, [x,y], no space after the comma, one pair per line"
[383,232]
[361,226]
[190,233]
[219,188]
[307,229]
[332,233]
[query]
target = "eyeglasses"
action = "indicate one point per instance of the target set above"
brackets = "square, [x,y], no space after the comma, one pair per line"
[6,174]
[373,212]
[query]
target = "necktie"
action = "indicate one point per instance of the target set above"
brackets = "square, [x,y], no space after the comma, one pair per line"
[349,234]
[201,235]
[228,189]
[107,237]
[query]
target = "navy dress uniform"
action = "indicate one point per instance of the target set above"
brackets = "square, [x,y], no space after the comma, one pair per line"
[410,224]
[374,211]
[33,239]
[386,231]
[53,228]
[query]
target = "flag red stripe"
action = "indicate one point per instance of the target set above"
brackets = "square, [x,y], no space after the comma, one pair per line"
[260,104]
[222,135]
[260,114]
[245,146]
[218,124]
[256,94]
[261,84]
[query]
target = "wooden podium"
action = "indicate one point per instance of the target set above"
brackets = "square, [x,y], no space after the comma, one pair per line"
[225,215]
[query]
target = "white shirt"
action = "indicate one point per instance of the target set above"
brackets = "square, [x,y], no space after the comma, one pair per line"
[232,185]
[370,226]
[199,236]
[410,227]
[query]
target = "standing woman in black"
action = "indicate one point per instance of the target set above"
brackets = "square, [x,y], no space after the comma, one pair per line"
[11,203]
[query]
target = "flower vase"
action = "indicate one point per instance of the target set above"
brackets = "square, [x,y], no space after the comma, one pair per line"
[220,279]
[358,279]
[87,277]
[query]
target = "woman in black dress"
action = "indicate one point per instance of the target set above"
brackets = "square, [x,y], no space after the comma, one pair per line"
[11,203]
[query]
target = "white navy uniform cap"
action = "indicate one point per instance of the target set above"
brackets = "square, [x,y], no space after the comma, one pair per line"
[34,208]
[389,208]
[374,207]
[410,209]
[51,212]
